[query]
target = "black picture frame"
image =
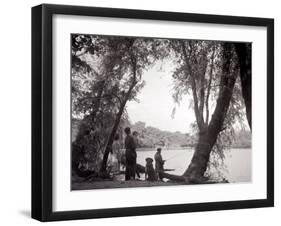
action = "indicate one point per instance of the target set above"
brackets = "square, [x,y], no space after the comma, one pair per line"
[42,111]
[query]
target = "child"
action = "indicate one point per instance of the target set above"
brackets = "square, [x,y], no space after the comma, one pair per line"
[159,163]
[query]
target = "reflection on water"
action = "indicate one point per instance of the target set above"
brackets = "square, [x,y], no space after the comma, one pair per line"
[237,161]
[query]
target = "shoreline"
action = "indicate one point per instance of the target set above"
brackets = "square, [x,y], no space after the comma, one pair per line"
[181,148]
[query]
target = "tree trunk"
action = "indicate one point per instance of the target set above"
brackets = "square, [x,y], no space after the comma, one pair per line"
[245,62]
[208,136]
[209,87]
[198,111]
[108,147]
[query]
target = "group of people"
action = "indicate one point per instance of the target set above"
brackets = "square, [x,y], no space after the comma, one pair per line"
[130,161]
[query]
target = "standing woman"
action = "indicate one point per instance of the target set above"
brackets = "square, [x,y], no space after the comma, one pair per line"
[116,149]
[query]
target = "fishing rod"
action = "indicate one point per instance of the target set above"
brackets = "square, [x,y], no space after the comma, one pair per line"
[174,156]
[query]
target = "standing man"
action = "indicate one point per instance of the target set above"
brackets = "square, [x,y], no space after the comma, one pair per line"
[131,155]
[135,137]
[159,163]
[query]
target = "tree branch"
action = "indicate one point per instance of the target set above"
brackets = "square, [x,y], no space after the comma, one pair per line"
[198,116]
[209,87]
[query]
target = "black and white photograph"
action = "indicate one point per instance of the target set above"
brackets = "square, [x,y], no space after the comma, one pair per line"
[149,111]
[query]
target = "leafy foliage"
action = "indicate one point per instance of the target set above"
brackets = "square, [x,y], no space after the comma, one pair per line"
[106,73]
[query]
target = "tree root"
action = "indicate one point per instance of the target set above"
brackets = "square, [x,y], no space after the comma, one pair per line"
[190,180]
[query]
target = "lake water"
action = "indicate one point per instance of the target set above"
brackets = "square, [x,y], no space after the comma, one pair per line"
[238,162]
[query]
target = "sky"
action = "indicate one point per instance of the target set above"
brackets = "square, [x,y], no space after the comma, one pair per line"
[156,104]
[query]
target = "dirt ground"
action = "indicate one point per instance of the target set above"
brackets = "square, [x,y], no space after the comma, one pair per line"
[118,182]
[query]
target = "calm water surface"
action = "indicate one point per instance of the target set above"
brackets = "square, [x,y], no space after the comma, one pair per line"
[238,162]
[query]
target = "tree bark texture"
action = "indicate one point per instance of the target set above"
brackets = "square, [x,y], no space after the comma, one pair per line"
[208,136]
[110,140]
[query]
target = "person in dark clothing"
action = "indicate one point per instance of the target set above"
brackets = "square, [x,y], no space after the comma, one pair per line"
[159,163]
[131,155]
[135,136]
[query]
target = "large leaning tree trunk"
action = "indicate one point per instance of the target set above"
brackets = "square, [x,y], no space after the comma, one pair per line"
[108,147]
[208,134]
[244,52]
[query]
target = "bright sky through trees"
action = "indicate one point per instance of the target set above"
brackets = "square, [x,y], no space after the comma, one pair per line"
[156,103]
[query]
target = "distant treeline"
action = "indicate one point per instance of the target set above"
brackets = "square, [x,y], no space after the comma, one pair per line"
[150,137]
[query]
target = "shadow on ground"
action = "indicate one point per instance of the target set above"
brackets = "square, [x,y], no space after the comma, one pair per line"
[25,213]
